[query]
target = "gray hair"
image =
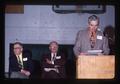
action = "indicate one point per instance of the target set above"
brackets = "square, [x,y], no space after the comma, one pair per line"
[19,43]
[93,18]
[53,42]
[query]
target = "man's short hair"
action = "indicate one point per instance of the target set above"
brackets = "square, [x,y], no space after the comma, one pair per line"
[19,43]
[53,42]
[93,18]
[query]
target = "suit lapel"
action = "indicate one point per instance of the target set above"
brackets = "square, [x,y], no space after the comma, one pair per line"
[16,60]
[87,40]
[49,56]
[22,59]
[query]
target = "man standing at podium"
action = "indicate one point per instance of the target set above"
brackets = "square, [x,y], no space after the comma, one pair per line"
[91,40]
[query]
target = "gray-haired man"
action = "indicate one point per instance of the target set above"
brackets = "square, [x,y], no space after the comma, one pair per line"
[91,39]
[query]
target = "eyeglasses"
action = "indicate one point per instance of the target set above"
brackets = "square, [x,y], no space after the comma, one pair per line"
[17,48]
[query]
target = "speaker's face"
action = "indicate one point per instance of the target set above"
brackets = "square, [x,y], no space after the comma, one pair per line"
[93,25]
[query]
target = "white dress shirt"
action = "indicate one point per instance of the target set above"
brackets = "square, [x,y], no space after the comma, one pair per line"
[53,56]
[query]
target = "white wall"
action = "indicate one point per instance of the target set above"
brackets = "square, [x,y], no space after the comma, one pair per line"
[40,25]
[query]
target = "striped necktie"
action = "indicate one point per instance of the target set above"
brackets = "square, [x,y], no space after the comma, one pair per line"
[92,40]
[20,63]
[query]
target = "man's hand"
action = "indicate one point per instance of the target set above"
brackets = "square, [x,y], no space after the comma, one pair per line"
[48,61]
[27,73]
[56,66]
[83,53]
[100,54]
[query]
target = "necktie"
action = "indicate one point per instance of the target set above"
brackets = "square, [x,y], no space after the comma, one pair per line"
[53,58]
[19,62]
[92,40]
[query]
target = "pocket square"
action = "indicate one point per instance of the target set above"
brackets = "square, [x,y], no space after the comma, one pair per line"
[58,57]
[25,59]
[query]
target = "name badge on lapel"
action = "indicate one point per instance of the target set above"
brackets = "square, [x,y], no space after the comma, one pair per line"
[25,59]
[58,57]
[99,37]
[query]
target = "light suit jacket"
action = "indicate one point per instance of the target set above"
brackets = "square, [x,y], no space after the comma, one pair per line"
[82,43]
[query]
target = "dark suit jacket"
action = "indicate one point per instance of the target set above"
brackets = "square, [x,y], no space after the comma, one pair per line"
[14,66]
[60,62]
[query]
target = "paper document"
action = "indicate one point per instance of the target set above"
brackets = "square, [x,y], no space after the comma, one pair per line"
[94,52]
[49,69]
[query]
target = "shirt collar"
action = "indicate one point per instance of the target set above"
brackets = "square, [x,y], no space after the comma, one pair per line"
[53,54]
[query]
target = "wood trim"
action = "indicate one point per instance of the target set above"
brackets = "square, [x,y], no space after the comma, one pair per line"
[95,67]
[14,9]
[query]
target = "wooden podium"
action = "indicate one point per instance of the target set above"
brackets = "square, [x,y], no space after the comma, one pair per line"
[95,67]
